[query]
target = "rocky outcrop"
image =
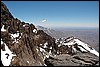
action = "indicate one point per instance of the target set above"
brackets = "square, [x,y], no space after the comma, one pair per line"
[73,52]
[23,45]
[75,60]
[23,40]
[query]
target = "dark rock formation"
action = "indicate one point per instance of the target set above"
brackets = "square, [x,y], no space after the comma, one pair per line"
[75,60]
[23,45]
[24,40]
[74,52]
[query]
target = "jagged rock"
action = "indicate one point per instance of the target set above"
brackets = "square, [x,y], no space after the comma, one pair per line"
[73,52]
[75,60]
[22,44]
[23,39]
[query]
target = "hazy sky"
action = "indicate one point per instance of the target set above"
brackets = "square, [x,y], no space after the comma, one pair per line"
[56,13]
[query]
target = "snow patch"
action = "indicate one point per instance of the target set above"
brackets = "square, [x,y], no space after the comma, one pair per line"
[20,36]
[59,45]
[12,59]
[14,35]
[87,47]
[21,33]
[69,43]
[74,49]
[2,29]
[45,45]
[57,52]
[35,31]
[82,49]
[27,61]
[54,55]
[6,56]
[41,44]
[15,41]
[61,41]
[24,25]
[94,52]
[49,52]
[47,56]
[50,47]
[56,41]
[42,50]
[45,65]
[1,42]
[37,49]
[70,38]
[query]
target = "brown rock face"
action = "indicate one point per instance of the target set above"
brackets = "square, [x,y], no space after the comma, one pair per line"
[23,45]
[23,41]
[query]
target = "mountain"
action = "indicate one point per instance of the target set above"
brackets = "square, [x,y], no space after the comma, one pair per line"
[53,33]
[22,44]
[72,51]
[90,36]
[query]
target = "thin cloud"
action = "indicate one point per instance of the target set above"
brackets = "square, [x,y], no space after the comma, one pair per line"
[43,20]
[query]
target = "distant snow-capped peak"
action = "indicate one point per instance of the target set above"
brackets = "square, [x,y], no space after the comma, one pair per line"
[72,42]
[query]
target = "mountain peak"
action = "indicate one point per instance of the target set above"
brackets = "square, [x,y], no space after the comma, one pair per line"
[22,44]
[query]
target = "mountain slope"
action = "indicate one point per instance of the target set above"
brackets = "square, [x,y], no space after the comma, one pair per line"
[90,36]
[22,44]
[51,32]
[72,51]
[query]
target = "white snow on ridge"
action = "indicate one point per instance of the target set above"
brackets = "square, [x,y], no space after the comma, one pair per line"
[47,56]
[69,43]
[61,41]
[2,29]
[59,45]
[86,46]
[50,47]
[35,31]
[27,61]
[74,49]
[40,44]
[15,41]
[56,40]
[14,35]
[49,52]
[20,36]
[83,46]
[1,42]
[37,49]
[45,45]
[82,49]
[42,50]
[94,52]
[45,65]
[57,52]
[24,25]
[4,54]
[70,38]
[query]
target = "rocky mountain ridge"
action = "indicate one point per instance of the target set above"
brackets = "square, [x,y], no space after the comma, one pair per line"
[53,33]
[90,36]
[23,45]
